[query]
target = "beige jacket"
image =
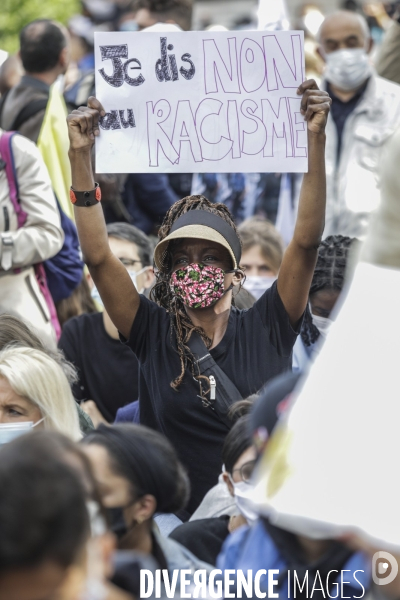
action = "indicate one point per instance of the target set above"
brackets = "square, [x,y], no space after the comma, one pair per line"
[42,236]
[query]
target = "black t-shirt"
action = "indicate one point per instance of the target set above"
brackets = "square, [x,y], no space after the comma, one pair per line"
[257,346]
[203,537]
[108,371]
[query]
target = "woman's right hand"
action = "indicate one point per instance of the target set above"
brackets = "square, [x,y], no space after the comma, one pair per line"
[83,125]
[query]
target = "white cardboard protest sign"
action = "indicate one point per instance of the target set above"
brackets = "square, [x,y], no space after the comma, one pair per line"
[195,102]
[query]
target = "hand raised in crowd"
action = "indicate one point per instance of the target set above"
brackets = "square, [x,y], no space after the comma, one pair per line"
[315,106]
[83,125]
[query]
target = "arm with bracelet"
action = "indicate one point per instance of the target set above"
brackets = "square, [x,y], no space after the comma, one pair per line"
[115,286]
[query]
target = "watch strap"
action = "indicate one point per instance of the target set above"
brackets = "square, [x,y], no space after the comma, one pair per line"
[88,198]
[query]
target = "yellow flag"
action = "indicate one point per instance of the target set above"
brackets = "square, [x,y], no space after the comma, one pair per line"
[53,144]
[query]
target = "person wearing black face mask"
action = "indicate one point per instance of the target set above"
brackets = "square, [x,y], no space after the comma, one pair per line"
[138,474]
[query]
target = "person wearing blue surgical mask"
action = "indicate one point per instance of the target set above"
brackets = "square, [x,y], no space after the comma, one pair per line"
[107,369]
[365,112]
[326,287]
[261,256]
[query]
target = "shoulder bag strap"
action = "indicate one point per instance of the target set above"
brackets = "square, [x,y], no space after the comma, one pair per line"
[225,391]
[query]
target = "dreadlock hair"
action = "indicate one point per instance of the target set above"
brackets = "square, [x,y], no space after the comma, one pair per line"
[329,274]
[181,326]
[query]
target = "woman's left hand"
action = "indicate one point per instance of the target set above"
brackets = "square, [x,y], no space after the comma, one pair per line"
[315,106]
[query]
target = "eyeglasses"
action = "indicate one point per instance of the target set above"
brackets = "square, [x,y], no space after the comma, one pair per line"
[127,262]
[246,470]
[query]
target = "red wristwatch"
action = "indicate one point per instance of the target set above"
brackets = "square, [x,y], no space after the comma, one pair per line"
[85,198]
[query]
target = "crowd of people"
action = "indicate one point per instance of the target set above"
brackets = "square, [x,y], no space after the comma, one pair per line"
[151,343]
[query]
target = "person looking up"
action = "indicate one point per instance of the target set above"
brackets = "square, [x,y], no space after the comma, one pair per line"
[34,390]
[262,254]
[198,268]
[108,371]
[138,474]
[326,287]
[45,55]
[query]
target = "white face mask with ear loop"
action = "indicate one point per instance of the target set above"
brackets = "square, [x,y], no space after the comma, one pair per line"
[323,324]
[10,431]
[244,502]
[348,68]
[256,285]
[132,274]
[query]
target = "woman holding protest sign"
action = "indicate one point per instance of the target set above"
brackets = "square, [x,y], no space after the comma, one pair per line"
[197,352]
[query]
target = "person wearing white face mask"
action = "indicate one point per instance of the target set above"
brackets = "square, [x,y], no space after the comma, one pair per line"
[261,255]
[108,370]
[204,537]
[326,286]
[365,112]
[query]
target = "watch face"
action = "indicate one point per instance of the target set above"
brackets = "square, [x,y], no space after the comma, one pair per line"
[72,196]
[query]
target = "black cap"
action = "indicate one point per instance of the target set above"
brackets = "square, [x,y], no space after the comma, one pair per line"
[271,403]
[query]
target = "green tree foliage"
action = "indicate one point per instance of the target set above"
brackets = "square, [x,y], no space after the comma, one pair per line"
[14,14]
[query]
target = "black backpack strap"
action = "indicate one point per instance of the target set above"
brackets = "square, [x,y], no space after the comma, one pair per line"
[226,393]
[29,111]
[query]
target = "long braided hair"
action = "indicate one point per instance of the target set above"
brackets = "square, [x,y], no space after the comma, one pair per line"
[181,326]
[329,274]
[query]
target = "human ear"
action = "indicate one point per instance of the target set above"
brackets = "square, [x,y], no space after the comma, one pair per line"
[144,509]
[228,483]
[238,277]
[149,277]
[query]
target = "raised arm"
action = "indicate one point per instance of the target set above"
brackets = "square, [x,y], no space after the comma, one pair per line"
[300,257]
[116,289]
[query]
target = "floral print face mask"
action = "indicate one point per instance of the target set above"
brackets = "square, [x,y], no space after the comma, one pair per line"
[199,285]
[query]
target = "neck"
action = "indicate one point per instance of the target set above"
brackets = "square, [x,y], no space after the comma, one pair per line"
[109,326]
[213,320]
[48,77]
[345,96]
[139,538]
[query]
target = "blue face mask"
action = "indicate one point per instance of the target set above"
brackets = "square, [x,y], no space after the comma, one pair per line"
[10,431]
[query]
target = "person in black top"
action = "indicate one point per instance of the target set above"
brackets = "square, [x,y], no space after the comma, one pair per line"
[198,269]
[108,371]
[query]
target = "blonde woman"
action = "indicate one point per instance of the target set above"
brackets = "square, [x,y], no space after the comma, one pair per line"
[34,388]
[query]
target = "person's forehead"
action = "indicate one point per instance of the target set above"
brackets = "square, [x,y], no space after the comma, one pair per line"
[7,393]
[123,248]
[341,26]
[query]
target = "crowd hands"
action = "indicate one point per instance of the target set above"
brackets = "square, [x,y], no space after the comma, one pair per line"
[113,457]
